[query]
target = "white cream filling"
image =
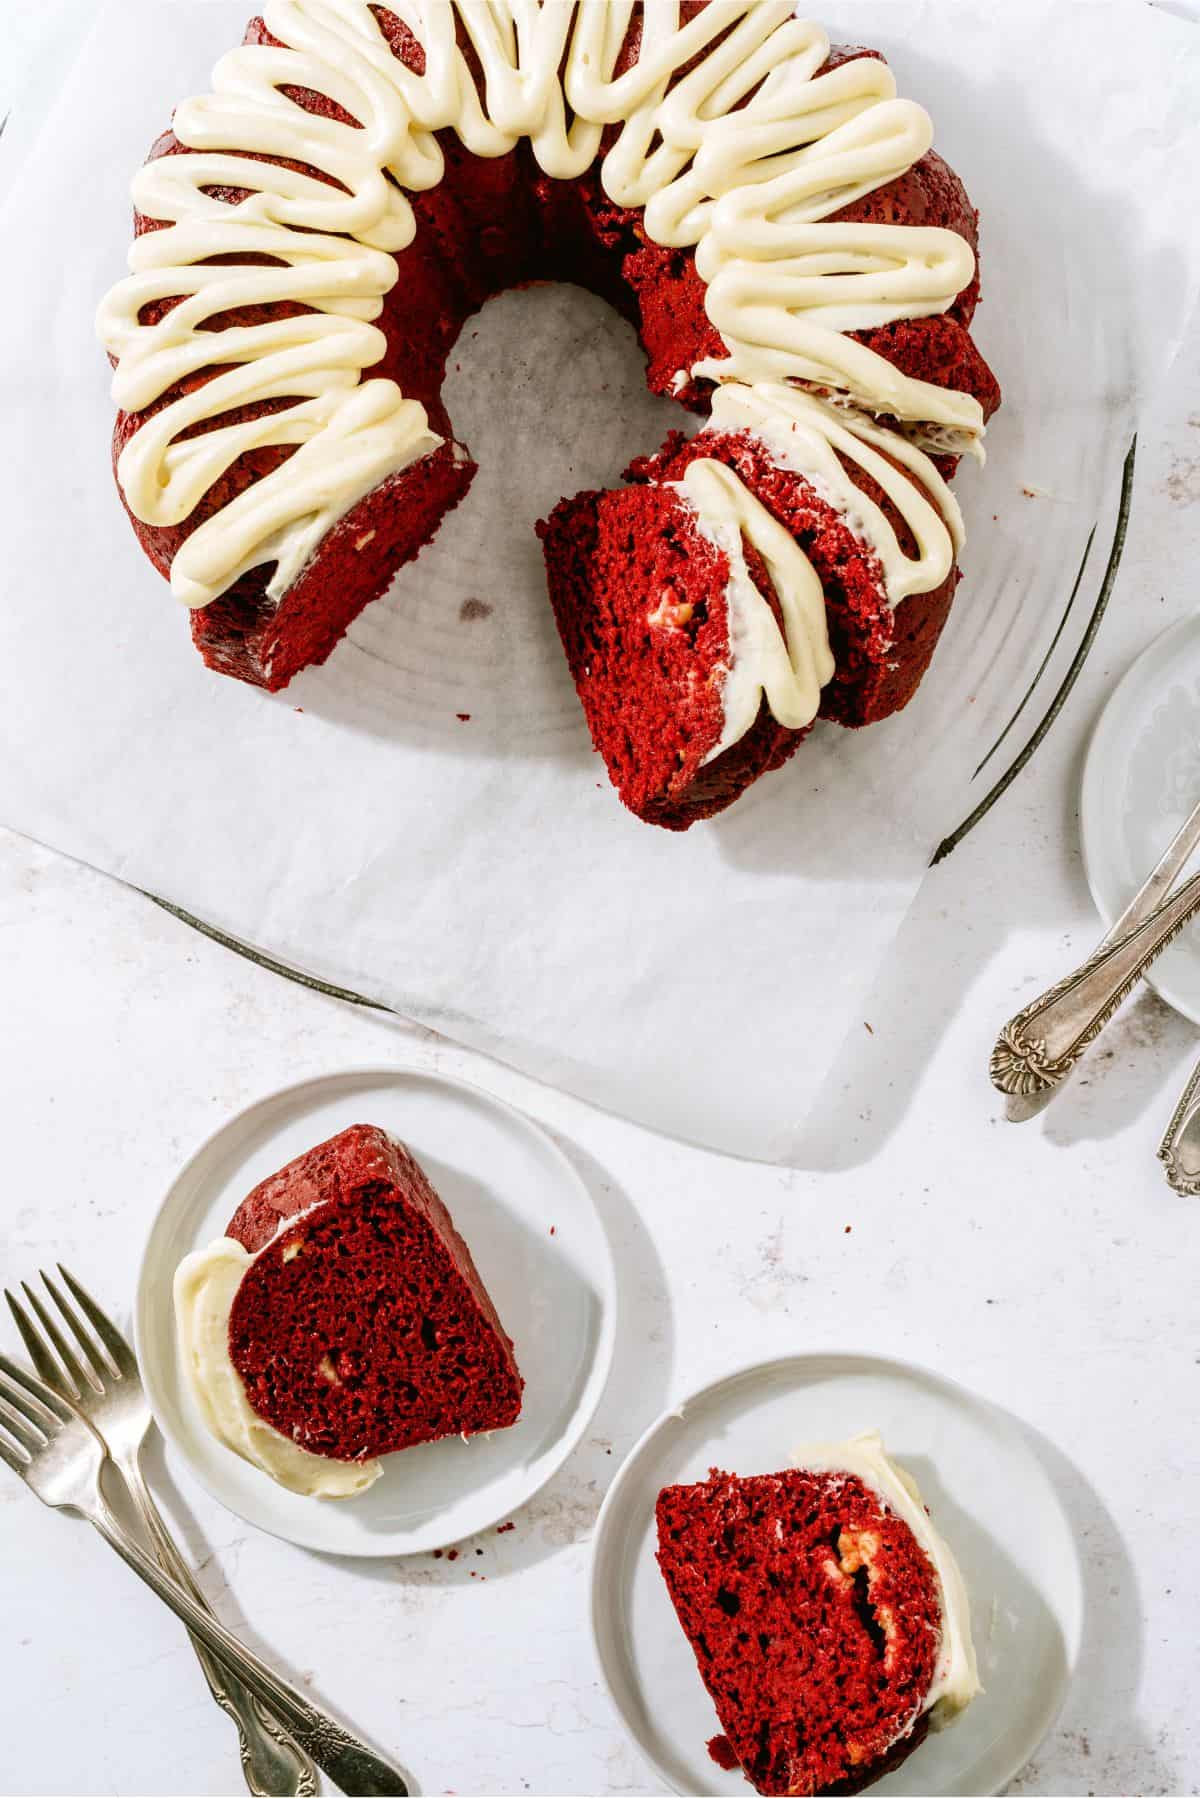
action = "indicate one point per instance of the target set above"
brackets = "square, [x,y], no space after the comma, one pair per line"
[206,1285]
[789,667]
[956,1677]
[750,625]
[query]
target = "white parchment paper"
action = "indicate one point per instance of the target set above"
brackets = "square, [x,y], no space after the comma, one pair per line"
[422,819]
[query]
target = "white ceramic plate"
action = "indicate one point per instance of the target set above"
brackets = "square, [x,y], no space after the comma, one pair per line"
[507,1186]
[1140,781]
[986,1491]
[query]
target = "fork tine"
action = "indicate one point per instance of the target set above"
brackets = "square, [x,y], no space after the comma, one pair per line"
[123,1357]
[38,1414]
[62,1347]
[11,1458]
[38,1389]
[92,1352]
[35,1347]
[23,1433]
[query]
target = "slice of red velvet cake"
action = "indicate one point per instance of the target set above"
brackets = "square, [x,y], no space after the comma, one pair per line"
[342,1318]
[650,605]
[640,598]
[827,1618]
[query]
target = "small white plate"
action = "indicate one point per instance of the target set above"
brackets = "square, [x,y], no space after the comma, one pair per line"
[540,1248]
[986,1492]
[1140,781]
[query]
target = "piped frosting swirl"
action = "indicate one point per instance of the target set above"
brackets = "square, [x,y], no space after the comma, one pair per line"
[727,136]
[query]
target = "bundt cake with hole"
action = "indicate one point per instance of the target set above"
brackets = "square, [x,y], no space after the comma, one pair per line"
[341,1318]
[828,1618]
[798,262]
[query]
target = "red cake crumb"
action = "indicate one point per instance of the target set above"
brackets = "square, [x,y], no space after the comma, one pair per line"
[815,1620]
[362,1326]
[720,1751]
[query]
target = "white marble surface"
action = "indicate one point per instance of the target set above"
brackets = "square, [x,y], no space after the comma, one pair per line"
[1048,1267]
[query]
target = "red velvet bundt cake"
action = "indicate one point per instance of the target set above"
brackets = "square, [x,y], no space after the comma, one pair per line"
[341,1317]
[801,268]
[828,1619]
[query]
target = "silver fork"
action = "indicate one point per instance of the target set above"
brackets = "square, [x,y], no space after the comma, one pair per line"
[1039,1048]
[108,1391]
[55,1450]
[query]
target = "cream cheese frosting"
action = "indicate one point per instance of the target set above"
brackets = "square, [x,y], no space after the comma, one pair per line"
[744,157]
[206,1284]
[816,438]
[820,441]
[789,667]
[956,1678]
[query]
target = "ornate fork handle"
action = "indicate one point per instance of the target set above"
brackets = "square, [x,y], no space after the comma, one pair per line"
[1179,1150]
[1041,1045]
[270,1762]
[350,1764]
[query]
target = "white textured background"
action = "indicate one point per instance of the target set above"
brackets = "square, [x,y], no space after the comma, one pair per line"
[1048,1267]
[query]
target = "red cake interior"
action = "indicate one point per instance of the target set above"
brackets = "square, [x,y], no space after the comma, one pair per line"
[624,567]
[814,1618]
[363,1326]
[246,634]
[639,597]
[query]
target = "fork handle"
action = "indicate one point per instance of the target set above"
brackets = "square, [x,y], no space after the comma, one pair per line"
[351,1765]
[272,1763]
[1179,1150]
[1038,1048]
